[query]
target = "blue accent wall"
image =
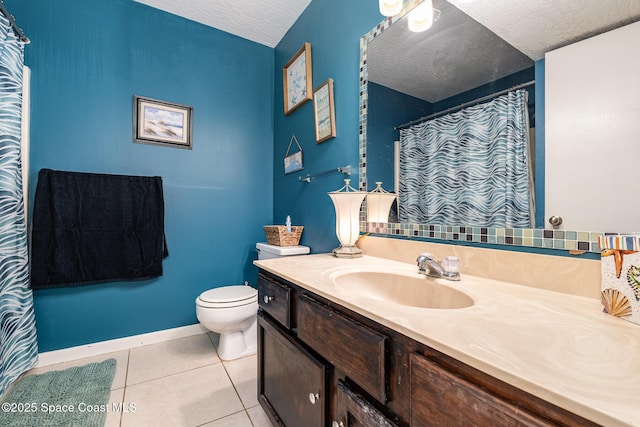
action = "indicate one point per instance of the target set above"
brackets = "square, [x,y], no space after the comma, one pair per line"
[88,59]
[334,28]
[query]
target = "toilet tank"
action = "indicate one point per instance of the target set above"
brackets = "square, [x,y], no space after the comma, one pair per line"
[267,251]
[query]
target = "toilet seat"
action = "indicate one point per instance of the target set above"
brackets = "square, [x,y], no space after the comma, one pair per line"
[228,296]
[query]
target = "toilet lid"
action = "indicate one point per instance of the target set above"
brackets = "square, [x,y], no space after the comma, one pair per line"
[228,294]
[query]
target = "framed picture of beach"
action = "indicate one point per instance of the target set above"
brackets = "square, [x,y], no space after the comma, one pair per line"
[296,76]
[324,112]
[162,123]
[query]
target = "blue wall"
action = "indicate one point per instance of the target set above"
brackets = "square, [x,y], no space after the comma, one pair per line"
[334,28]
[88,59]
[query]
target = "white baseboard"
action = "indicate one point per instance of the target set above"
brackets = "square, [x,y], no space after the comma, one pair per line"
[110,346]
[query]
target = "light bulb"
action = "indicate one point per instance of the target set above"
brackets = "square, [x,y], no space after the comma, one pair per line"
[390,7]
[421,17]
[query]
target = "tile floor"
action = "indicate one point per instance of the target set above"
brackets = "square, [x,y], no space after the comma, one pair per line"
[180,383]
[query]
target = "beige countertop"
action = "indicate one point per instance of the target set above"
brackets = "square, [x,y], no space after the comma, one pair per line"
[561,348]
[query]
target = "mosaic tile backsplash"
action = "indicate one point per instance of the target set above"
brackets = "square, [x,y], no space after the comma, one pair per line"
[535,238]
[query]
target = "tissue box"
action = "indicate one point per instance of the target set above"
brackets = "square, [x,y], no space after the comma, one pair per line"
[620,267]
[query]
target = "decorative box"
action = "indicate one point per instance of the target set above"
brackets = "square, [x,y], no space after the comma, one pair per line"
[620,267]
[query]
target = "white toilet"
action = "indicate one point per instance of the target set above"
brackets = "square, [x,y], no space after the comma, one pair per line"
[231,310]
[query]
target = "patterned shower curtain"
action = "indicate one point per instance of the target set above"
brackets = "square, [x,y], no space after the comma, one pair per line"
[470,167]
[18,346]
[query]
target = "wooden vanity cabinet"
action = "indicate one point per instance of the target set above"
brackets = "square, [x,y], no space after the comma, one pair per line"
[329,366]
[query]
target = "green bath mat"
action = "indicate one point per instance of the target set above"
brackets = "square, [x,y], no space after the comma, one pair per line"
[78,396]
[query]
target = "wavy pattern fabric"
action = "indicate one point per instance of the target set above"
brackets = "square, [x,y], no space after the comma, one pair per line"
[18,347]
[470,167]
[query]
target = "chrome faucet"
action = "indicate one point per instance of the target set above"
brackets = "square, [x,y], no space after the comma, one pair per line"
[428,266]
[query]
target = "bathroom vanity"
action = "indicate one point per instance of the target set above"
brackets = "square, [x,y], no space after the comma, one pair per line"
[331,354]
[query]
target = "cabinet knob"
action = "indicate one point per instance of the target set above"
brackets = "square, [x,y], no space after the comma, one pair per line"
[313,398]
[337,424]
[267,299]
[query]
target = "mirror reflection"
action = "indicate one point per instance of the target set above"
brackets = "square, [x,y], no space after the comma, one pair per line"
[416,80]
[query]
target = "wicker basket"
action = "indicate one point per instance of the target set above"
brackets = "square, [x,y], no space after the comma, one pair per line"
[277,235]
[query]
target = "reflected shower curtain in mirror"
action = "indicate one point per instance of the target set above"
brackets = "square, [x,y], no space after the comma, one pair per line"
[18,347]
[470,167]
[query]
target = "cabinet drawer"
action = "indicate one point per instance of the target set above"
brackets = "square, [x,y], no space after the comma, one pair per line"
[349,346]
[275,299]
[354,410]
[439,397]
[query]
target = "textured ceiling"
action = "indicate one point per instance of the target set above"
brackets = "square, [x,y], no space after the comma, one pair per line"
[538,26]
[264,22]
[458,54]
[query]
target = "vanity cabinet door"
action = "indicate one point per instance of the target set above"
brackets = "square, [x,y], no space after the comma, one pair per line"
[441,398]
[353,410]
[291,382]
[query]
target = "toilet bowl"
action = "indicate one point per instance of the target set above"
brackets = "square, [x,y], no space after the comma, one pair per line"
[231,312]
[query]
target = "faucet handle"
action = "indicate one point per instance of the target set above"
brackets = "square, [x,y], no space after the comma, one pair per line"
[427,255]
[451,264]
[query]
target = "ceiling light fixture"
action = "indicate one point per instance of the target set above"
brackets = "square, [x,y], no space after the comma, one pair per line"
[421,17]
[390,7]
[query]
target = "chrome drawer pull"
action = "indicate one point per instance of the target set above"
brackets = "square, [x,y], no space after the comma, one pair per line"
[267,299]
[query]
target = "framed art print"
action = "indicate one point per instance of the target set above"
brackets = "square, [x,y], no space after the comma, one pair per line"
[296,76]
[162,123]
[323,112]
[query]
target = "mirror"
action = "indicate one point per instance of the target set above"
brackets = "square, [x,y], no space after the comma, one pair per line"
[461,70]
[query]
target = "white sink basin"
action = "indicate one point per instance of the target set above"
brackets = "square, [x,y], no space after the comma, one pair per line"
[410,290]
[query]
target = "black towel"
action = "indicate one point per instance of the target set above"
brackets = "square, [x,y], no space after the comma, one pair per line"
[90,228]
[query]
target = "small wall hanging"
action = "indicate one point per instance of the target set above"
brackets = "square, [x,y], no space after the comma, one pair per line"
[293,162]
[162,123]
[296,76]
[323,112]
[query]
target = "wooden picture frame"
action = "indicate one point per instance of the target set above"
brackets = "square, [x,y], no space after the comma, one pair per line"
[296,77]
[324,112]
[162,123]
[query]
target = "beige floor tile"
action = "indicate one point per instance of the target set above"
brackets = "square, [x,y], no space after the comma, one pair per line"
[215,338]
[113,416]
[243,373]
[258,417]
[158,360]
[122,358]
[189,398]
[240,419]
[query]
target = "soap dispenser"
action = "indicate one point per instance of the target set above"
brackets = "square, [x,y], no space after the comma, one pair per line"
[287,223]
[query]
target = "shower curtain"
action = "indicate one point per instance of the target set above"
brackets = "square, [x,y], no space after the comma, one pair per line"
[18,347]
[470,167]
